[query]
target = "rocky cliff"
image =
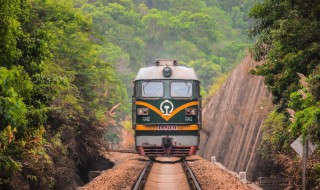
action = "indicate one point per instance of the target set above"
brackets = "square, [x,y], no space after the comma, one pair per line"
[232,120]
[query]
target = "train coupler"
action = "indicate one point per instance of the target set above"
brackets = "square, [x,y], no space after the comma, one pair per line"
[166,142]
[167,145]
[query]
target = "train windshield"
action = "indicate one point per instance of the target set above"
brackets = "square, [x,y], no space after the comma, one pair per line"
[152,89]
[181,89]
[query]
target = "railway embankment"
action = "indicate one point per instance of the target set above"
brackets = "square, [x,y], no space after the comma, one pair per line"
[122,176]
[128,167]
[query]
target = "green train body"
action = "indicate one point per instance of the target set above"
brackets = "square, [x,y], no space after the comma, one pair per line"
[166,114]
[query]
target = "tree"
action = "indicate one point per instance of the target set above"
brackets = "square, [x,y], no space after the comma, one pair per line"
[288,42]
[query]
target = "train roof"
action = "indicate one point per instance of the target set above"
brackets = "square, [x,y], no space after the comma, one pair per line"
[156,71]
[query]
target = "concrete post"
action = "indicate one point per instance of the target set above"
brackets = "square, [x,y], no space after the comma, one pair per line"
[243,177]
[213,159]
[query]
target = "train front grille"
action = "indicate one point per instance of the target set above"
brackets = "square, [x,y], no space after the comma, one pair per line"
[160,151]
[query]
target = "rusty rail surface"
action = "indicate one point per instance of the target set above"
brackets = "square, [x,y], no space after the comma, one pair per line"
[143,176]
[165,175]
[193,182]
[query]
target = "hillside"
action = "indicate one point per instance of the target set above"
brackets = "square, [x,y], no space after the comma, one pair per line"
[232,120]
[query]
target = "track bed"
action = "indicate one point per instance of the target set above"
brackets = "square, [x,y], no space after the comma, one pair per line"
[128,167]
[167,173]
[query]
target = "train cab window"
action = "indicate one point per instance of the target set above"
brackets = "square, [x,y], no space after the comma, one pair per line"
[181,89]
[152,89]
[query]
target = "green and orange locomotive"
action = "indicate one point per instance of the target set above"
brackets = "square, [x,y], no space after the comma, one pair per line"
[166,110]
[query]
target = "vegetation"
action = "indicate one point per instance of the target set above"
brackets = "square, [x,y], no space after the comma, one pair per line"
[48,117]
[287,39]
[66,69]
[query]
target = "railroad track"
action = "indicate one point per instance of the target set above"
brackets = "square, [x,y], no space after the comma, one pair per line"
[166,173]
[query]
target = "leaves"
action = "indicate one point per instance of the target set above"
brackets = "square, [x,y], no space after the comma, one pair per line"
[287,39]
[288,42]
[12,108]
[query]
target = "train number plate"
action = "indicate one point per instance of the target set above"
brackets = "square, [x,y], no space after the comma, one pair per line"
[167,127]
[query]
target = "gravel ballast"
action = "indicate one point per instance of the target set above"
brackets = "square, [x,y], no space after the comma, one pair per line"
[122,176]
[128,167]
[210,176]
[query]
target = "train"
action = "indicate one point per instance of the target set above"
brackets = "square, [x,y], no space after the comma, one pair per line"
[166,110]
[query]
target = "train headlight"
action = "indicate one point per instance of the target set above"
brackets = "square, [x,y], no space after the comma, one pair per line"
[167,72]
[142,111]
[191,111]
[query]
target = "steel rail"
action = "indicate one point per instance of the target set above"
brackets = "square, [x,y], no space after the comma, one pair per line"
[193,182]
[191,178]
[143,176]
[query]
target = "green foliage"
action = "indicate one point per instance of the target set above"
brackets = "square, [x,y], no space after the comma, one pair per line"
[276,135]
[10,30]
[40,78]
[188,31]
[237,18]
[314,84]
[288,42]
[297,102]
[12,108]
[206,69]
[307,123]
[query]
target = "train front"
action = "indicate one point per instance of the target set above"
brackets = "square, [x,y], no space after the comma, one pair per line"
[166,110]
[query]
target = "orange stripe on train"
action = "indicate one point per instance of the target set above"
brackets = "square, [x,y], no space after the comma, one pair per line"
[166,117]
[156,127]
